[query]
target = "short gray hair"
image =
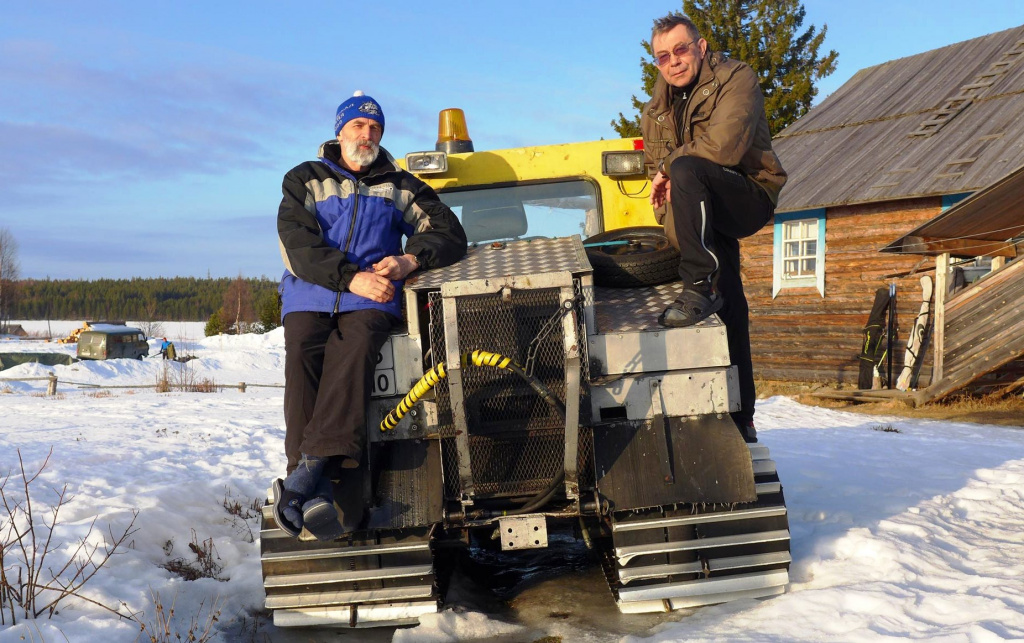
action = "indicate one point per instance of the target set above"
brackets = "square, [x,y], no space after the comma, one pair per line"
[670,22]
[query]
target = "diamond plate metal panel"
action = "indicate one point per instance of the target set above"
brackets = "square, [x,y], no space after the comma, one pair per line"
[510,258]
[634,309]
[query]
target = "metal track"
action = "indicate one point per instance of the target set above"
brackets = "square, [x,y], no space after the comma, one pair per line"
[686,556]
[366,579]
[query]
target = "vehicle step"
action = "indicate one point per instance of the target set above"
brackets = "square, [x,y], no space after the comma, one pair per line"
[764,467]
[627,553]
[658,571]
[708,589]
[382,615]
[767,488]
[628,575]
[319,599]
[668,605]
[754,560]
[694,519]
[346,552]
[323,578]
[758,452]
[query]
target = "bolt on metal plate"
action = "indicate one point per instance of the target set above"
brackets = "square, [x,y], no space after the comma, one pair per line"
[523,532]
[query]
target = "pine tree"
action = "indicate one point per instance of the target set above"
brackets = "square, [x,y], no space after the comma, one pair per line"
[213,325]
[765,34]
[269,309]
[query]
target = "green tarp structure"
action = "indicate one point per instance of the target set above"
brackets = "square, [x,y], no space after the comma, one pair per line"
[8,360]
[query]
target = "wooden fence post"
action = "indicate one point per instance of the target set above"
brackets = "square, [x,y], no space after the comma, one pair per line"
[241,387]
[51,388]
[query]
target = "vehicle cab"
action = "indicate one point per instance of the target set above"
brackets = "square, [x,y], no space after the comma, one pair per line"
[540,191]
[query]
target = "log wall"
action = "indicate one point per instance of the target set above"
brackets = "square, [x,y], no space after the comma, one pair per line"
[800,336]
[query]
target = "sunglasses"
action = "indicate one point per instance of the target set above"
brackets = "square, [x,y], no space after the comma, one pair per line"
[678,51]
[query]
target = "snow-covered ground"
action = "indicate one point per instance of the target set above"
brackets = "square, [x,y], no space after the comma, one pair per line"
[916,532]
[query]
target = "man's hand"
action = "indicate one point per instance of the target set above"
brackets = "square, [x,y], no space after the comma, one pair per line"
[396,267]
[372,286]
[661,190]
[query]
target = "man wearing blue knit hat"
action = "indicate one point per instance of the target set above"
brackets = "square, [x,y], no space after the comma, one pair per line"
[340,227]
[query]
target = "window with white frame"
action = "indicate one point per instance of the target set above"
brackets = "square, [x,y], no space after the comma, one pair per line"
[799,251]
[799,248]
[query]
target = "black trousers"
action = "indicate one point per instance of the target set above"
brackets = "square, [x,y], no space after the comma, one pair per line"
[712,208]
[328,376]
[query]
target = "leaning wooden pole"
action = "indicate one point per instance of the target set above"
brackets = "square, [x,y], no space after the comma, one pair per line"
[939,336]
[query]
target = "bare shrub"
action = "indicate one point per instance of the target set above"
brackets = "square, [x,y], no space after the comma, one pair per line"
[58,396]
[186,379]
[151,328]
[205,385]
[205,565]
[885,428]
[163,381]
[241,514]
[99,394]
[164,629]
[32,582]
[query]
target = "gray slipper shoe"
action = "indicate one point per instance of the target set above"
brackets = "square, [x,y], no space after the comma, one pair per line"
[319,516]
[284,498]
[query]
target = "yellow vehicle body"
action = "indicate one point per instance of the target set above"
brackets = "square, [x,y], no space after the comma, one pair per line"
[622,201]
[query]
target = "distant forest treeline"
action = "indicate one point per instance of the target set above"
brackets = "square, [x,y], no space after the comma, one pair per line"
[156,299]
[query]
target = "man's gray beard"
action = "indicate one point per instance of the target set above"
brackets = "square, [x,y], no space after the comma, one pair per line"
[363,158]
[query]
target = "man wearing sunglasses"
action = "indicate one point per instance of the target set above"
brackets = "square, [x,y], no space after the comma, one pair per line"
[714,180]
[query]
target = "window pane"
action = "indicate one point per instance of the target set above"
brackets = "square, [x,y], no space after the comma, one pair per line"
[791,249]
[545,210]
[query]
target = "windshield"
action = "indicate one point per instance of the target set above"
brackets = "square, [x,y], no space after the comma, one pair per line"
[521,211]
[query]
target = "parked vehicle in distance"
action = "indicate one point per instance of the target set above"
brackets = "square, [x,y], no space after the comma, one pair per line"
[108,341]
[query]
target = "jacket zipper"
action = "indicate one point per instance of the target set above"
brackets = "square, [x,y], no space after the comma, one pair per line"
[348,239]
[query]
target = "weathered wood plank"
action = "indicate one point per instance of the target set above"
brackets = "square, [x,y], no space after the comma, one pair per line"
[939,340]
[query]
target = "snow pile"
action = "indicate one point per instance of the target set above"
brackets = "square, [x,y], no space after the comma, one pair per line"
[900,528]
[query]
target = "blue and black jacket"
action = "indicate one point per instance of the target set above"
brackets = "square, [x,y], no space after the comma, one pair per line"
[332,225]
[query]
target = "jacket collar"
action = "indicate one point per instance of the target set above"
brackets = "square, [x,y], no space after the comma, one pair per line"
[330,154]
[661,95]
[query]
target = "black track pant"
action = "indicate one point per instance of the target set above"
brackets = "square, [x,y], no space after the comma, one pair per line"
[328,376]
[712,208]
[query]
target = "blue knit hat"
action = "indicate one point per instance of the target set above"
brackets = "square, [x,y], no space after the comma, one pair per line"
[359,106]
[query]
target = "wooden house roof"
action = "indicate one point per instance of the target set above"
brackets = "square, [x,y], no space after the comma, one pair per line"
[987,223]
[946,121]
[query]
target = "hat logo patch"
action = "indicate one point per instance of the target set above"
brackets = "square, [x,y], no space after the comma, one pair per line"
[370,108]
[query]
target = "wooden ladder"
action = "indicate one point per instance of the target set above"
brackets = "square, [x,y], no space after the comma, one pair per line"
[969,92]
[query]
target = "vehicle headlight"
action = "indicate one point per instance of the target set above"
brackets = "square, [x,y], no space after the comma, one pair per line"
[426,162]
[622,163]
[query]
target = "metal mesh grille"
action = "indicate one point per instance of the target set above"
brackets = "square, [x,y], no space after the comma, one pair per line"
[516,439]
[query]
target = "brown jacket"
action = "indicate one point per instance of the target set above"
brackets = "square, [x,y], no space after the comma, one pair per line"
[724,122]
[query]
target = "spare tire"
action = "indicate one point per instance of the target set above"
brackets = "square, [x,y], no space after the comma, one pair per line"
[632,257]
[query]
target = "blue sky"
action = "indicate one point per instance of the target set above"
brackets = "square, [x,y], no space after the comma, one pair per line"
[149,139]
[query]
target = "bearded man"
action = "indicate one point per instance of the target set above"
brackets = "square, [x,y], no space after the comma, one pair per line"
[340,225]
